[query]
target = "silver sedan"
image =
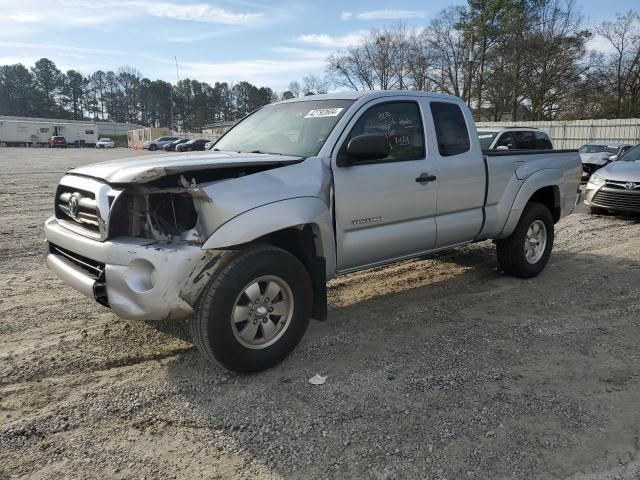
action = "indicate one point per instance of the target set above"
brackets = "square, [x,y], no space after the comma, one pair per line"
[616,186]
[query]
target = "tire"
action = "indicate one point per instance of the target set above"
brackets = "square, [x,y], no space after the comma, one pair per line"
[153,147]
[512,258]
[238,345]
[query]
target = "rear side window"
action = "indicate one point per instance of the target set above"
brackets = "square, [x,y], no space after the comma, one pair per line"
[401,123]
[451,129]
[542,141]
[505,140]
[525,140]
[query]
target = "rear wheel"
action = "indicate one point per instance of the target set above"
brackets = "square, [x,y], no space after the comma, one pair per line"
[153,147]
[254,310]
[526,251]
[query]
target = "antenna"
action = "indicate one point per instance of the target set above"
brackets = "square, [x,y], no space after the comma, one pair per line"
[177,74]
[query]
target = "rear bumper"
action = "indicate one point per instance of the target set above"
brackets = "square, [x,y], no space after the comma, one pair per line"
[138,279]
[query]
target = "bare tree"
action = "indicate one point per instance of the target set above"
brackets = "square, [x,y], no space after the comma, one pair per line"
[623,34]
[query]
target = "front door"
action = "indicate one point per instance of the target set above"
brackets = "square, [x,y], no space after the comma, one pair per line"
[385,209]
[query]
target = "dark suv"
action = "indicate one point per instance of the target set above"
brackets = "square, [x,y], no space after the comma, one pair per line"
[191,145]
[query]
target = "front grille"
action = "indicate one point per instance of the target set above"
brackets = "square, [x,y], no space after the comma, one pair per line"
[95,269]
[617,198]
[615,184]
[77,207]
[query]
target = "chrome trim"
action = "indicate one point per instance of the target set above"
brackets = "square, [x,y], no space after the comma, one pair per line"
[76,260]
[71,274]
[105,196]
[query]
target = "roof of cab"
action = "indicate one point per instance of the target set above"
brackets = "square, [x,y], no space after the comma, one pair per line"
[356,95]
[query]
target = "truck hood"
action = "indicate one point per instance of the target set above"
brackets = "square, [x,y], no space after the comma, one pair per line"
[147,168]
[621,171]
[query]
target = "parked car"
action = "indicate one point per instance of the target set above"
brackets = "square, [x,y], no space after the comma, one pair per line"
[57,142]
[159,142]
[192,145]
[171,146]
[596,155]
[514,138]
[616,186]
[105,143]
[244,239]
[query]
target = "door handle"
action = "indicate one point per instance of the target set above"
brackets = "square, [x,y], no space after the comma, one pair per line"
[425,177]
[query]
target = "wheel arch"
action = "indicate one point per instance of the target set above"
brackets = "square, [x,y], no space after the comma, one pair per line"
[301,226]
[541,187]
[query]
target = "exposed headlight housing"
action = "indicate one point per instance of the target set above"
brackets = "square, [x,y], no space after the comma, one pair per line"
[596,180]
[159,216]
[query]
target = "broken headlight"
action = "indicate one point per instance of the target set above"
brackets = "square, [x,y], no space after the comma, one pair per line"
[157,215]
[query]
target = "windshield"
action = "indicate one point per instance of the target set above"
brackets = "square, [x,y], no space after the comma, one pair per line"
[632,155]
[597,149]
[486,138]
[104,140]
[296,128]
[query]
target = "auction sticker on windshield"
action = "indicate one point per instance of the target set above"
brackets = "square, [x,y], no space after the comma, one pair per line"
[323,112]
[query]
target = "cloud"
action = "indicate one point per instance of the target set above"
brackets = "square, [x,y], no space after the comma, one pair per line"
[324,40]
[86,13]
[57,49]
[294,64]
[346,15]
[199,12]
[390,14]
[23,18]
[600,44]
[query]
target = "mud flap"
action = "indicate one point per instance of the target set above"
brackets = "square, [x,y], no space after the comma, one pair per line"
[319,283]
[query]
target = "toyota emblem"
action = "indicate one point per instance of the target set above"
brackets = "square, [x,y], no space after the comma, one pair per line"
[73,206]
[631,186]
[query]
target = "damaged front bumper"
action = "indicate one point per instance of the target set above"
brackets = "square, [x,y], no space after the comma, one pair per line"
[139,279]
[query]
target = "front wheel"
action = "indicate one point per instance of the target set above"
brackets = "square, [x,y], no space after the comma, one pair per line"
[526,251]
[153,147]
[255,309]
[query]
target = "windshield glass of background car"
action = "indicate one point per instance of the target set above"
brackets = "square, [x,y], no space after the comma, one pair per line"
[296,128]
[632,155]
[486,138]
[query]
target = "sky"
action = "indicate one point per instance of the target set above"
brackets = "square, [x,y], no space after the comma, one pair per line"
[266,43]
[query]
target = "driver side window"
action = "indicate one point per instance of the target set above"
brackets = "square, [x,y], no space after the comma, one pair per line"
[401,123]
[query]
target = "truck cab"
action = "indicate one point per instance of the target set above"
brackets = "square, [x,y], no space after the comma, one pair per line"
[241,239]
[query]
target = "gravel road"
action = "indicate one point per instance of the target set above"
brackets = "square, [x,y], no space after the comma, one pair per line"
[437,368]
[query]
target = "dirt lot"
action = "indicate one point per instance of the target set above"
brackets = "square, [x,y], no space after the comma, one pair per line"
[437,368]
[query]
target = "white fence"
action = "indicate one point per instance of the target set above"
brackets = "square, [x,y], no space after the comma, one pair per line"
[575,133]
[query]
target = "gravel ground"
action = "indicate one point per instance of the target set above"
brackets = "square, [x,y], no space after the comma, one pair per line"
[437,368]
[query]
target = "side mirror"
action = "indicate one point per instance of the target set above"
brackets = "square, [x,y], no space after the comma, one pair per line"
[502,147]
[368,146]
[612,158]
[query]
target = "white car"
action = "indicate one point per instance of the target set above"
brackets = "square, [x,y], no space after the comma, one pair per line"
[514,138]
[105,143]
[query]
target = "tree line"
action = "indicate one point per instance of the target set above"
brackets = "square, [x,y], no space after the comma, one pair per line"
[498,55]
[123,96]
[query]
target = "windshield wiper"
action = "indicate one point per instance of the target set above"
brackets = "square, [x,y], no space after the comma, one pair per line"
[263,153]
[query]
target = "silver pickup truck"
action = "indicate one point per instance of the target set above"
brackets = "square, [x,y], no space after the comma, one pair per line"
[243,238]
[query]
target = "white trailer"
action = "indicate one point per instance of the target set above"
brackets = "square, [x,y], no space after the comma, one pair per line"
[33,132]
